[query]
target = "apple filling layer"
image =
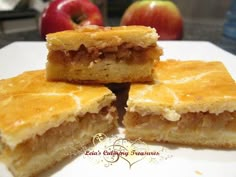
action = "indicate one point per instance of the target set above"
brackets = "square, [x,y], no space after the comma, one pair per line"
[57,143]
[124,53]
[192,128]
[113,64]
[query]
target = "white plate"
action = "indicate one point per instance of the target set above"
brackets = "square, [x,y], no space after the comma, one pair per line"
[172,160]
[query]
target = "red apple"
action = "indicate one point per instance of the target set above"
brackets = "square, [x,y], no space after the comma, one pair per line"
[160,14]
[67,15]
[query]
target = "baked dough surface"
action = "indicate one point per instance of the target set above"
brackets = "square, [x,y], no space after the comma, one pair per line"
[43,122]
[190,102]
[101,37]
[28,100]
[182,87]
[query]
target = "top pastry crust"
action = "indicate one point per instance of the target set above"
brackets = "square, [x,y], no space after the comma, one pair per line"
[101,37]
[185,86]
[30,105]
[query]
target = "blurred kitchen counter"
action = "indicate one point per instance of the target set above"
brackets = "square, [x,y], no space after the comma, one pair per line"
[197,30]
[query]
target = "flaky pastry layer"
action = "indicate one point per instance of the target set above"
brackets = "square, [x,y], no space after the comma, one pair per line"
[68,139]
[184,86]
[101,37]
[28,100]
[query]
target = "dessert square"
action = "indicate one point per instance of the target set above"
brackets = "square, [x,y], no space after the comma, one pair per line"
[43,122]
[94,54]
[190,102]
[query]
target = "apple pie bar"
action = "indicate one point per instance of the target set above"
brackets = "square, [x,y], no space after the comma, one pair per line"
[43,122]
[190,102]
[93,54]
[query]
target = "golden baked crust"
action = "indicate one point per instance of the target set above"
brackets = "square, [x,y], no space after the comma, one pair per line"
[186,86]
[28,100]
[184,91]
[43,122]
[95,54]
[101,37]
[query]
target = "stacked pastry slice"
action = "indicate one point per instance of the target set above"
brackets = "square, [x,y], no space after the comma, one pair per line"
[191,102]
[103,54]
[43,122]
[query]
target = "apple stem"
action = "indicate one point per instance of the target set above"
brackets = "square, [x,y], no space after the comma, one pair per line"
[78,18]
